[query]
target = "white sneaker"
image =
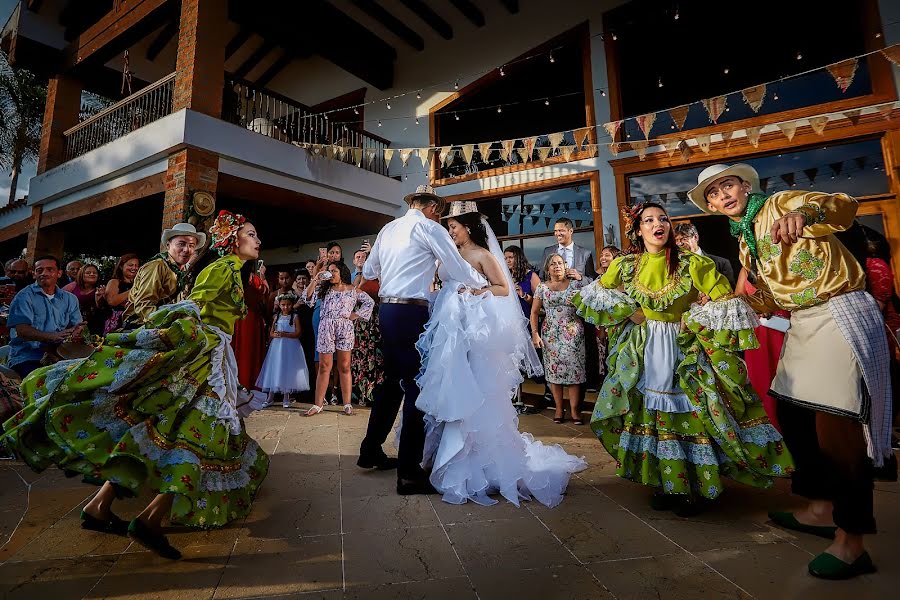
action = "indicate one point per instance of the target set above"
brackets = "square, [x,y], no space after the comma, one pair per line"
[286,403]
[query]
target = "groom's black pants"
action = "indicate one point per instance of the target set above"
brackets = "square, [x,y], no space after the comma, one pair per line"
[401,326]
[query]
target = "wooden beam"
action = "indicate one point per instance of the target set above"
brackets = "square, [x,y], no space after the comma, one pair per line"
[240,38]
[393,24]
[117,31]
[277,67]
[431,18]
[154,184]
[254,59]
[511,5]
[162,39]
[469,11]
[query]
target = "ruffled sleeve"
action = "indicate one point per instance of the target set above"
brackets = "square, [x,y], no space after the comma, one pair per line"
[725,324]
[365,305]
[600,304]
[707,278]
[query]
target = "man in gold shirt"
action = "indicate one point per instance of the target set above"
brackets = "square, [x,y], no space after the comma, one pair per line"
[832,381]
[161,280]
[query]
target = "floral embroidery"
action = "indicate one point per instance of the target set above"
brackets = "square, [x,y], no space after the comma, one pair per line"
[806,265]
[806,298]
[767,249]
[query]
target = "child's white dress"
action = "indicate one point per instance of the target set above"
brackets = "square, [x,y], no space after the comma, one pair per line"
[284,370]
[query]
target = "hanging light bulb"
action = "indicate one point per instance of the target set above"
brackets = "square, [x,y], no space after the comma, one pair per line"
[456,85]
[672,126]
[355,111]
[775,97]
[547,102]
[726,70]
[406,178]
[389,106]
[456,116]
[603,93]
[379,122]
[878,36]
[659,83]
[502,72]
[553,60]
[418,95]
[326,116]
[417,120]
[676,14]
[799,56]
[499,109]
[614,37]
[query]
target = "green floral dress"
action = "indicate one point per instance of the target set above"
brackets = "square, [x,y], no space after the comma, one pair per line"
[708,423]
[154,408]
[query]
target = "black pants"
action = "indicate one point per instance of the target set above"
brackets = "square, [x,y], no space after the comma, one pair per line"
[401,326]
[831,464]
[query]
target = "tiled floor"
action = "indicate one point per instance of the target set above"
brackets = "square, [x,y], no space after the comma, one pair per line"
[322,528]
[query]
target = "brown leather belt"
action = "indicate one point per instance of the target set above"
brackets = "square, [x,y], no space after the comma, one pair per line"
[413,301]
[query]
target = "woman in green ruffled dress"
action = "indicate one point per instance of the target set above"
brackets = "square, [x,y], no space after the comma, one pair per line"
[676,410]
[157,408]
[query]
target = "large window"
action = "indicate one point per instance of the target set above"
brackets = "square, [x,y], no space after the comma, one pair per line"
[527,220]
[718,48]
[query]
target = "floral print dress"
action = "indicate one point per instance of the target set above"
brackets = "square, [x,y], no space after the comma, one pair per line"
[153,409]
[563,336]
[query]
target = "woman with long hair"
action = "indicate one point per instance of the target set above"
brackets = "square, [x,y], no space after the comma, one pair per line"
[156,409]
[676,410]
[474,349]
[118,289]
[90,293]
[524,276]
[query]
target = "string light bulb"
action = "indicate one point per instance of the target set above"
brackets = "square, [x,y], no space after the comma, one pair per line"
[417,120]
[726,70]
[603,93]
[502,72]
[389,106]
[615,37]
[677,16]
[355,111]
[775,96]
[379,122]
[659,83]
[499,109]
[552,60]
[547,102]
[326,116]
[418,95]
[456,85]
[799,55]
[456,116]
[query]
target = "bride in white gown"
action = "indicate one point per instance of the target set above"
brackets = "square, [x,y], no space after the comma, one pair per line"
[474,349]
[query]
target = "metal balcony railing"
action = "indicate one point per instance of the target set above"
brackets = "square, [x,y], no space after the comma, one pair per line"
[289,121]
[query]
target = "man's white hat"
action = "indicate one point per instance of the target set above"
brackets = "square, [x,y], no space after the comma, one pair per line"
[711,173]
[183,229]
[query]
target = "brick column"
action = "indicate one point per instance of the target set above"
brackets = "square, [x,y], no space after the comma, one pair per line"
[189,170]
[200,63]
[60,113]
[42,241]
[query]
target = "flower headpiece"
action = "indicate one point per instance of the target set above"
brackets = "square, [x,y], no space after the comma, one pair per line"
[286,296]
[224,232]
[629,216]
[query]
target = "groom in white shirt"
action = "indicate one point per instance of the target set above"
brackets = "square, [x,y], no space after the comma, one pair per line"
[404,259]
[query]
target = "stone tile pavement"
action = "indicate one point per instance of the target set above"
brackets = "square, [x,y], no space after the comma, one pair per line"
[322,528]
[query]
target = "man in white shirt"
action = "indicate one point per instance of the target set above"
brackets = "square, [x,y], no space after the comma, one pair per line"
[404,259]
[579,260]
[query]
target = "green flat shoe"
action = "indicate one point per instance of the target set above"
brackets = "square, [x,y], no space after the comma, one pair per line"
[829,566]
[789,521]
[151,540]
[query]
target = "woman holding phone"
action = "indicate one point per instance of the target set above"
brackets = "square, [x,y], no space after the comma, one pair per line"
[332,252]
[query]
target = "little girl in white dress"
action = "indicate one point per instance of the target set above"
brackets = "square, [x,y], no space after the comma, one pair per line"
[284,370]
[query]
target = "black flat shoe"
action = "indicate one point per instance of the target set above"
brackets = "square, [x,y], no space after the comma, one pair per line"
[691,508]
[661,502]
[385,463]
[411,488]
[155,542]
[114,526]
[828,566]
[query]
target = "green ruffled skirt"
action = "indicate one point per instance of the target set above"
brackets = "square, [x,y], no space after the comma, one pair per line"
[147,411]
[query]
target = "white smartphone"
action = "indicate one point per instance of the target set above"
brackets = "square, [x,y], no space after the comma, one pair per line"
[777,323]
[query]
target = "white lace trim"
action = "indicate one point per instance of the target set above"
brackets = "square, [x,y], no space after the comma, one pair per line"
[216,481]
[223,379]
[728,315]
[601,299]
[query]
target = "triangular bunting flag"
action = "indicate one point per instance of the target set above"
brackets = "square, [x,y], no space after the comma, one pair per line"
[788,178]
[885,109]
[811,175]
[715,107]
[425,155]
[682,197]
[671,146]
[892,53]
[405,153]
[641,148]
[788,129]
[754,96]
[612,128]
[645,122]
[614,148]
[679,115]
[443,153]
[836,167]
[467,151]
[555,206]
[685,150]
[753,134]
[843,72]
[357,156]
[703,141]
[507,149]
[818,124]
[853,115]
[726,137]
[484,149]
[388,155]
[543,152]
[529,145]
[567,152]
[523,154]
[580,136]
[555,139]
[664,198]
[370,157]
[861,161]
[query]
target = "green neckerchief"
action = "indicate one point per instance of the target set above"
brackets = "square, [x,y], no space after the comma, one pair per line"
[179,273]
[744,227]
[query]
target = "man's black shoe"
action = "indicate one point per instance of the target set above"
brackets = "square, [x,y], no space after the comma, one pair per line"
[406,487]
[384,463]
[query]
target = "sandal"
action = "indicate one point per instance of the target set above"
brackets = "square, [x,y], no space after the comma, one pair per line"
[348,410]
[114,525]
[314,410]
[559,420]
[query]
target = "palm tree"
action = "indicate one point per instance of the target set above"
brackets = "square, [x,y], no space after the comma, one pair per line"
[22,99]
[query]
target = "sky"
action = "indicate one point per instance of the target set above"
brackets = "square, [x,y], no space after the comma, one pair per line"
[28,170]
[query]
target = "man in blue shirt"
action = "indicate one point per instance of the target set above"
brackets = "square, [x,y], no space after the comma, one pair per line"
[41,315]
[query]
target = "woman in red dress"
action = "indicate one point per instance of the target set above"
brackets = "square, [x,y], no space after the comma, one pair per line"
[249,341]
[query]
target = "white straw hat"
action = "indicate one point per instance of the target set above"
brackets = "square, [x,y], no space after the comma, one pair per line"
[711,173]
[183,229]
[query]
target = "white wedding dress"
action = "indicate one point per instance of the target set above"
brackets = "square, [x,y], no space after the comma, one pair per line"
[474,349]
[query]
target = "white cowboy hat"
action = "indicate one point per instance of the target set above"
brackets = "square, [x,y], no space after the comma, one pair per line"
[183,229]
[711,173]
[461,207]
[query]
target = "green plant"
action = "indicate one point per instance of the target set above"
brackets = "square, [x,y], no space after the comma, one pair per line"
[22,99]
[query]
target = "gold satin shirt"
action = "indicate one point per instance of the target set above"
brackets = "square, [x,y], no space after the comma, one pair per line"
[154,285]
[816,268]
